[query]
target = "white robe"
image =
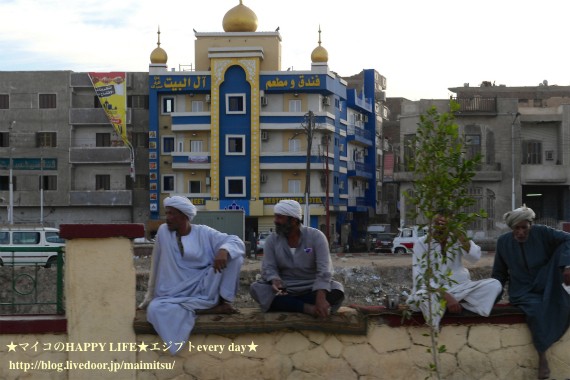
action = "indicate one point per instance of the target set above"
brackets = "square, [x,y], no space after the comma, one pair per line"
[181,284]
[475,296]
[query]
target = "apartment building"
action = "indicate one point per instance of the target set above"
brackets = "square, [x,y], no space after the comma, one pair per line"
[65,162]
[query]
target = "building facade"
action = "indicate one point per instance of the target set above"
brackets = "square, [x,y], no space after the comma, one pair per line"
[522,134]
[239,132]
[66,162]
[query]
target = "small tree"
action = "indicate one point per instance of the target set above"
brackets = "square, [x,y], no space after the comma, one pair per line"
[442,177]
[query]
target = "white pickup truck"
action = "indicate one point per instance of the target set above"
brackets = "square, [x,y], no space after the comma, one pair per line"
[406,238]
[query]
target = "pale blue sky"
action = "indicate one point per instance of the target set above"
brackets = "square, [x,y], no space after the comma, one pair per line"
[422,47]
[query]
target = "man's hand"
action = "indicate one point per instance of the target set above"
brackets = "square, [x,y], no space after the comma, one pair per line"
[278,287]
[566,276]
[452,305]
[322,306]
[221,260]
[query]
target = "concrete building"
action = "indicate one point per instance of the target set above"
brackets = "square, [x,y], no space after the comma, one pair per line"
[233,133]
[68,165]
[522,134]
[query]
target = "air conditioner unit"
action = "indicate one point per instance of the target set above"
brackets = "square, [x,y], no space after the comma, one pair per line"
[365,153]
[341,148]
[264,135]
[341,185]
[365,118]
[208,98]
[263,101]
[263,178]
[326,101]
[208,181]
[349,216]
[367,186]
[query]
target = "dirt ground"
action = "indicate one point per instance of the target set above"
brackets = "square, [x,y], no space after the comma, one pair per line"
[366,278]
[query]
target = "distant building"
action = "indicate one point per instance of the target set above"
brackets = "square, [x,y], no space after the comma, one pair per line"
[60,143]
[522,134]
[231,134]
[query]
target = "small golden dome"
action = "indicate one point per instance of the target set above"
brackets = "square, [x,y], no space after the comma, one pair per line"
[320,54]
[240,19]
[158,55]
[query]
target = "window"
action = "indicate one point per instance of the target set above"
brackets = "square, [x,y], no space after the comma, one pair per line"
[102,139]
[25,237]
[4,101]
[167,105]
[196,145]
[197,106]
[235,186]
[46,139]
[294,186]
[194,187]
[5,182]
[235,104]
[294,145]
[295,105]
[140,182]
[167,144]
[48,182]
[168,183]
[139,139]
[137,101]
[235,145]
[53,237]
[472,146]
[532,152]
[409,151]
[4,139]
[4,238]
[47,101]
[102,182]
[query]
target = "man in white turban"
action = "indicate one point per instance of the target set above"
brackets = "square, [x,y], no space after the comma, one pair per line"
[535,261]
[296,270]
[195,270]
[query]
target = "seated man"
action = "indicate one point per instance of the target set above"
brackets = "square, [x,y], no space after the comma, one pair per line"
[459,291]
[296,269]
[195,269]
[535,261]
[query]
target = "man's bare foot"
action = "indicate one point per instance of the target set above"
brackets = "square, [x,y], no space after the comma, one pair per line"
[309,309]
[221,308]
[543,368]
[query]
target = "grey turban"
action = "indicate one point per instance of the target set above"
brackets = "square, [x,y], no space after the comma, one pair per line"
[182,204]
[518,215]
[289,207]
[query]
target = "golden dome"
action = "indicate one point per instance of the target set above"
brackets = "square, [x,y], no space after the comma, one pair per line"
[158,55]
[240,19]
[320,54]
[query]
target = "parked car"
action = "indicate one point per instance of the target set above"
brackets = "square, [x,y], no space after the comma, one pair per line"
[383,242]
[29,245]
[261,241]
[406,238]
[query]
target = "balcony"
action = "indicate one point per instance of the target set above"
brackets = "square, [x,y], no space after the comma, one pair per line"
[476,106]
[109,155]
[484,173]
[187,160]
[360,169]
[544,174]
[90,116]
[356,134]
[100,198]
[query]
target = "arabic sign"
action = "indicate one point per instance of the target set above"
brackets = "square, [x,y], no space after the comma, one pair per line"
[301,200]
[181,82]
[293,82]
[29,163]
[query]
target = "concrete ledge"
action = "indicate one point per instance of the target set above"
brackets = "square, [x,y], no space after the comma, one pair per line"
[33,324]
[253,320]
[501,314]
[93,231]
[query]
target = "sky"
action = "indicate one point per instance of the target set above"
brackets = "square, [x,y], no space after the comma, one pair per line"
[421,47]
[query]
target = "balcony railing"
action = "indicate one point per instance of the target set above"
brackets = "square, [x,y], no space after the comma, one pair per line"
[477,105]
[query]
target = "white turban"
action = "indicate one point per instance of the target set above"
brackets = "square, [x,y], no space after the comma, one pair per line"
[289,207]
[182,204]
[518,215]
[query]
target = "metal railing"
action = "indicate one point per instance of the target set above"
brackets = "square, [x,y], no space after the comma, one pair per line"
[31,287]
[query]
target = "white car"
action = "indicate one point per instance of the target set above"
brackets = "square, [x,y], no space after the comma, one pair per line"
[406,238]
[261,241]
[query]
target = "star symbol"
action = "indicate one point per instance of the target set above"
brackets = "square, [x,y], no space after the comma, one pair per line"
[12,346]
[142,347]
[252,346]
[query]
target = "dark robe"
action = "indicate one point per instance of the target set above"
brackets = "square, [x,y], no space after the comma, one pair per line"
[533,270]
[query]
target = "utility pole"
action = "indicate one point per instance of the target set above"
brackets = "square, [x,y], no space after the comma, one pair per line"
[11,184]
[308,126]
[513,161]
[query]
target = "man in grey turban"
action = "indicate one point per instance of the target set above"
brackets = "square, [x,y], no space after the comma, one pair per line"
[195,270]
[535,261]
[296,269]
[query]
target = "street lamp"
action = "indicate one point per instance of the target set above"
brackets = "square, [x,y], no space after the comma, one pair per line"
[308,127]
[513,160]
